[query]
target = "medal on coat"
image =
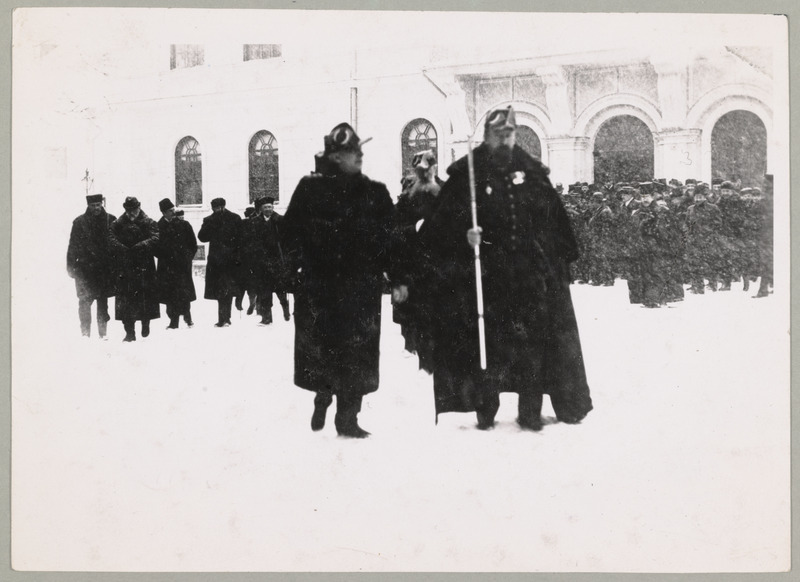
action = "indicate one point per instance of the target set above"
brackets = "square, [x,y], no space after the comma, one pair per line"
[488,189]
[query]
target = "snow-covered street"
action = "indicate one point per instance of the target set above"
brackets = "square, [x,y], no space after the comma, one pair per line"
[191,451]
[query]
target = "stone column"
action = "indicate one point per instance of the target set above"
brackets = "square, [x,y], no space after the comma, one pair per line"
[558,99]
[570,160]
[677,154]
[671,90]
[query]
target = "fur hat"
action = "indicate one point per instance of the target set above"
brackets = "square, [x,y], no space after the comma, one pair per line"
[218,202]
[130,203]
[92,198]
[265,200]
[165,205]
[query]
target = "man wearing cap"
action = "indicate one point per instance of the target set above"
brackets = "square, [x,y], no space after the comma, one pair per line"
[134,237]
[702,227]
[177,246]
[337,232]
[732,251]
[89,262]
[526,246]
[263,259]
[222,230]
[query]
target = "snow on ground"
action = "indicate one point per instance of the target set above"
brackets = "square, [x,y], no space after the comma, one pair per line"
[191,451]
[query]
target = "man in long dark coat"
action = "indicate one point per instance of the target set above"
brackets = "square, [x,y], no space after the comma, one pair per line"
[526,245]
[263,259]
[89,262]
[176,249]
[222,230]
[337,232]
[133,238]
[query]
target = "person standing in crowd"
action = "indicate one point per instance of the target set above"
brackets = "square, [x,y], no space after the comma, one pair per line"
[222,231]
[89,262]
[526,246]
[134,238]
[177,246]
[766,239]
[337,231]
[415,204]
[263,259]
[702,226]
[732,248]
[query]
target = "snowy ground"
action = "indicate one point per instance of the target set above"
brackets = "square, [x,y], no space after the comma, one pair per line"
[191,451]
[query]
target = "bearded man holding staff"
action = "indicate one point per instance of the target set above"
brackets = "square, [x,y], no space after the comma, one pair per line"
[526,246]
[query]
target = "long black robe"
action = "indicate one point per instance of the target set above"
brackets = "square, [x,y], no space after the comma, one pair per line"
[527,244]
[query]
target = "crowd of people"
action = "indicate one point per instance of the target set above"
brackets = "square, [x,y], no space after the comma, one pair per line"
[664,236]
[479,267]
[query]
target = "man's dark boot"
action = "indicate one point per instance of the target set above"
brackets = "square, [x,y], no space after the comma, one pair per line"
[286,315]
[346,419]
[173,322]
[530,411]
[145,327]
[266,318]
[321,403]
[130,331]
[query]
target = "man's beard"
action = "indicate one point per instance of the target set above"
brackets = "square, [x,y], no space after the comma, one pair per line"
[501,156]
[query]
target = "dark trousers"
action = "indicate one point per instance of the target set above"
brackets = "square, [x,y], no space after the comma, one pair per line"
[347,409]
[224,307]
[85,315]
[176,309]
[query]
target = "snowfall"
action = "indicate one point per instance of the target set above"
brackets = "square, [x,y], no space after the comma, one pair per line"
[191,450]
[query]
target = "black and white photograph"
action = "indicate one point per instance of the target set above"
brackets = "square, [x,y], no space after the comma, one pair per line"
[399,291]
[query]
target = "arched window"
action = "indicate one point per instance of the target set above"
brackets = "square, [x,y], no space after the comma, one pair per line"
[188,172]
[418,135]
[623,151]
[263,154]
[739,148]
[529,141]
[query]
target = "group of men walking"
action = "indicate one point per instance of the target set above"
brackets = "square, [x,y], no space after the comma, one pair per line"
[109,256]
[501,323]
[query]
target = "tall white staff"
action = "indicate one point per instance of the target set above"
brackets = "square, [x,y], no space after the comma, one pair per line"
[477,247]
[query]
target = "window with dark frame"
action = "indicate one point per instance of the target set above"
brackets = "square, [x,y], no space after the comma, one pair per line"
[184,56]
[188,173]
[419,135]
[264,166]
[739,148]
[255,52]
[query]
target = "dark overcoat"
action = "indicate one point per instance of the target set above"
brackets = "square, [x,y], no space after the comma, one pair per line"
[413,205]
[177,246]
[262,256]
[134,245]
[336,232]
[89,259]
[527,245]
[223,232]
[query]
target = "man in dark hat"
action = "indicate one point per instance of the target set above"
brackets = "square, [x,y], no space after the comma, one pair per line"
[526,246]
[89,262]
[263,259]
[176,249]
[222,230]
[702,228]
[337,233]
[134,237]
